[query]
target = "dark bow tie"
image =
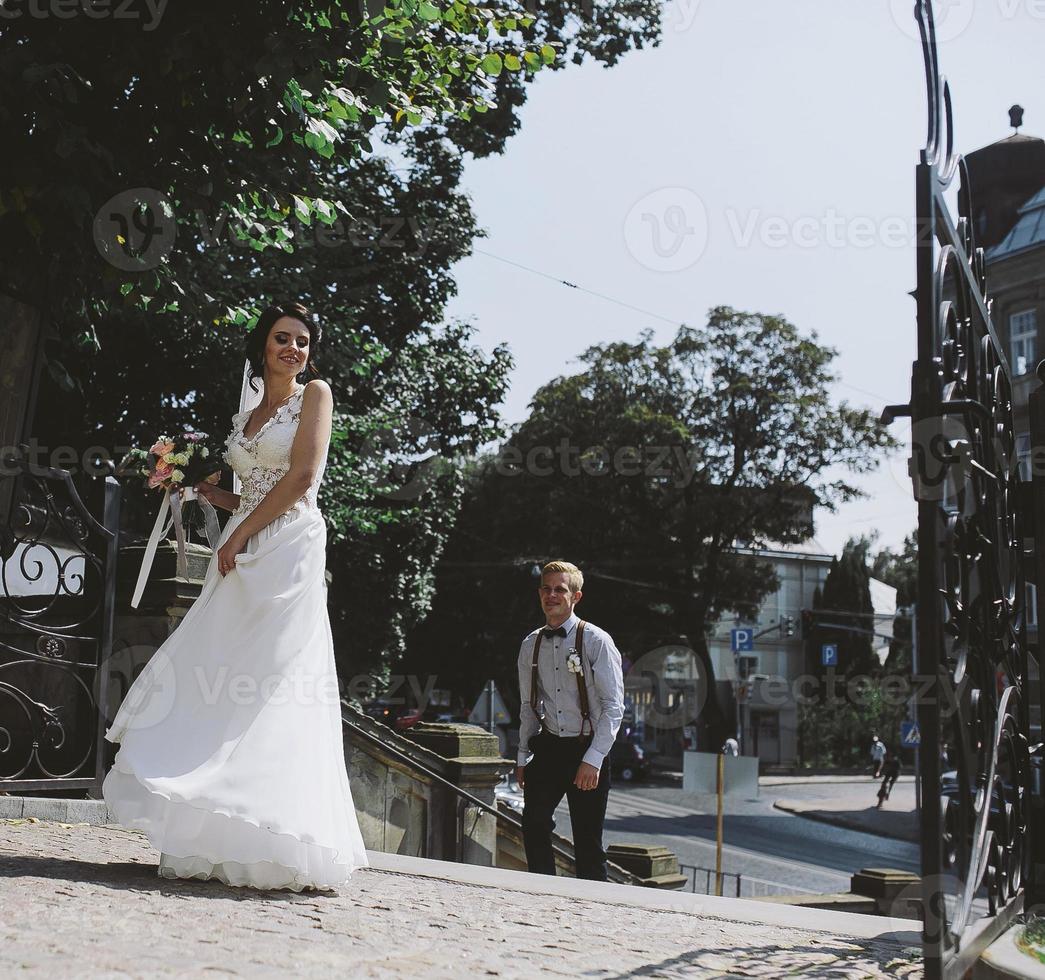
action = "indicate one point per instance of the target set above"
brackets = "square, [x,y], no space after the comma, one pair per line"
[560,631]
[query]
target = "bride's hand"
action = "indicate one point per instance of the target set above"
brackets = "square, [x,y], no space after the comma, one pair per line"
[227,554]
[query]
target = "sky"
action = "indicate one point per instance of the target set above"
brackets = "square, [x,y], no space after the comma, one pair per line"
[762,157]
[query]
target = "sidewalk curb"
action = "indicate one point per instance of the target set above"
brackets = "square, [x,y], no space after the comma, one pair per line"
[835,820]
[703,907]
[55,809]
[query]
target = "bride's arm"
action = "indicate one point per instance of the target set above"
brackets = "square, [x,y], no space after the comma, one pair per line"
[225,499]
[306,456]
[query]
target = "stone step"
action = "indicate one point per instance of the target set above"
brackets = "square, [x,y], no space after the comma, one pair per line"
[56,809]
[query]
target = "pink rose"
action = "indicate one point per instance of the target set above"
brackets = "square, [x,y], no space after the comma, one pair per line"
[160,474]
[162,447]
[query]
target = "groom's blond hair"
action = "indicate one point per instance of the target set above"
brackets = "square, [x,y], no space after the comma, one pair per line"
[574,576]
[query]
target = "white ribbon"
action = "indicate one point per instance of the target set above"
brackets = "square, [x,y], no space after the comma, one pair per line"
[160,527]
[248,400]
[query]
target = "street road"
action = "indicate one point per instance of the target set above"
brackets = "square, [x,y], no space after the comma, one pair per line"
[774,852]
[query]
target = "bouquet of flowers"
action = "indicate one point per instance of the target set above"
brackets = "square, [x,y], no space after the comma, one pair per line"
[180,462]
[175,465]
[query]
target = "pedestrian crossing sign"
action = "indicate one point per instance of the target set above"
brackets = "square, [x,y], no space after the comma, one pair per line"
[910,737]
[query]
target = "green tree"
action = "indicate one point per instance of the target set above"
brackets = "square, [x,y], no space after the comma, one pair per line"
[900,570]
[120,131]
[845,601]
[660,470]
[256,134]
[836,730]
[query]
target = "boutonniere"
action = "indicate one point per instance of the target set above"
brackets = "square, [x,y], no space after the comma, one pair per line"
[573,661]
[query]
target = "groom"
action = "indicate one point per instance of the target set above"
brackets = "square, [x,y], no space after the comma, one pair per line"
[572,701]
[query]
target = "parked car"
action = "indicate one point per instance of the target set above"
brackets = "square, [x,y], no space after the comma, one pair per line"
[407,718]
[397,716]
[628,761]
[508,790]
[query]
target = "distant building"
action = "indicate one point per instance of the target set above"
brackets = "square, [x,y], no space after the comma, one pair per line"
[769,715]
[1007,181]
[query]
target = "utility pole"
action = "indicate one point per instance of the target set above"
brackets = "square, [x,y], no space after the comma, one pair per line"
[914,709]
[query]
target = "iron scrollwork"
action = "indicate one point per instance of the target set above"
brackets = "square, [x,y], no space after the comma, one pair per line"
[57,594]
[971,624]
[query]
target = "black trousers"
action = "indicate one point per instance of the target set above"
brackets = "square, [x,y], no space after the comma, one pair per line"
[548,777]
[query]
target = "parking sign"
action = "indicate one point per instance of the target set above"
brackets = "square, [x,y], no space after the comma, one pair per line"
[742,641]
[829,655]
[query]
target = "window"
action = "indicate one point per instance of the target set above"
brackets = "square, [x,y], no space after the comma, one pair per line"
[1023,460]
[1023,333]
[1032,604]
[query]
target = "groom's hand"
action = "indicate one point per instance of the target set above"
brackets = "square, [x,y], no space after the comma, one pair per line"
[520,776]
[587,777]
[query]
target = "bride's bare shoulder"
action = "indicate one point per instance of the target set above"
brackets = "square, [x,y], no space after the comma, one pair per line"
[318,387]
[317,394]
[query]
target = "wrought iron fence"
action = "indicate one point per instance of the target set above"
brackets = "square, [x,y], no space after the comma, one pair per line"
[734,884]
[708,879]
[57,595]
[971,620]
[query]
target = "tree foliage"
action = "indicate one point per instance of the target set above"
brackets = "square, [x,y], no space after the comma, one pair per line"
[660,470]
[844,615]
[120,132]
[163,181]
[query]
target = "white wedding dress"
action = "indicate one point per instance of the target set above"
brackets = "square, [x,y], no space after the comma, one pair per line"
[231,757]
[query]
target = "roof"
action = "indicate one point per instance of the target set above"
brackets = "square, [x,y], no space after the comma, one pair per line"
[810,548]
[1027,233]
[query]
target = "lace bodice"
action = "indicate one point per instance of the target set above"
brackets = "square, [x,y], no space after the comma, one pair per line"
[264,459]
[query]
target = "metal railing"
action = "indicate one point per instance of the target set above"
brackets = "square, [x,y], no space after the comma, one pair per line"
[734,884]
[712,885]
[505,817]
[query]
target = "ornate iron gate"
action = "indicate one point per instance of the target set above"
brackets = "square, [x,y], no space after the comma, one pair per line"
[57,595]
[971,623]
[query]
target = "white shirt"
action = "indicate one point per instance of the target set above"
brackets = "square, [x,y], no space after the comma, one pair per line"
[878,751]
[558,701]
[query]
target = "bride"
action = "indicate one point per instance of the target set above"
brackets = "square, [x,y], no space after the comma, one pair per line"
[231,757]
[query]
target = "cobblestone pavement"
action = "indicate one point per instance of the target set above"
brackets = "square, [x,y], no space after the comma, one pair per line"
[79,900]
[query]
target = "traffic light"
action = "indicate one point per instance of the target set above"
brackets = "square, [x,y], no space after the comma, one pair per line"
[789,626]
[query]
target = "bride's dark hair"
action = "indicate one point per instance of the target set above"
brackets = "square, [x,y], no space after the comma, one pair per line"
[256,339]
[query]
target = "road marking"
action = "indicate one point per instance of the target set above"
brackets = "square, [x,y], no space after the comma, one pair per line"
[622,804]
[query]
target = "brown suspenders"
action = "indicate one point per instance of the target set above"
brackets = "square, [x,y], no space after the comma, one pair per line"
[582,687]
